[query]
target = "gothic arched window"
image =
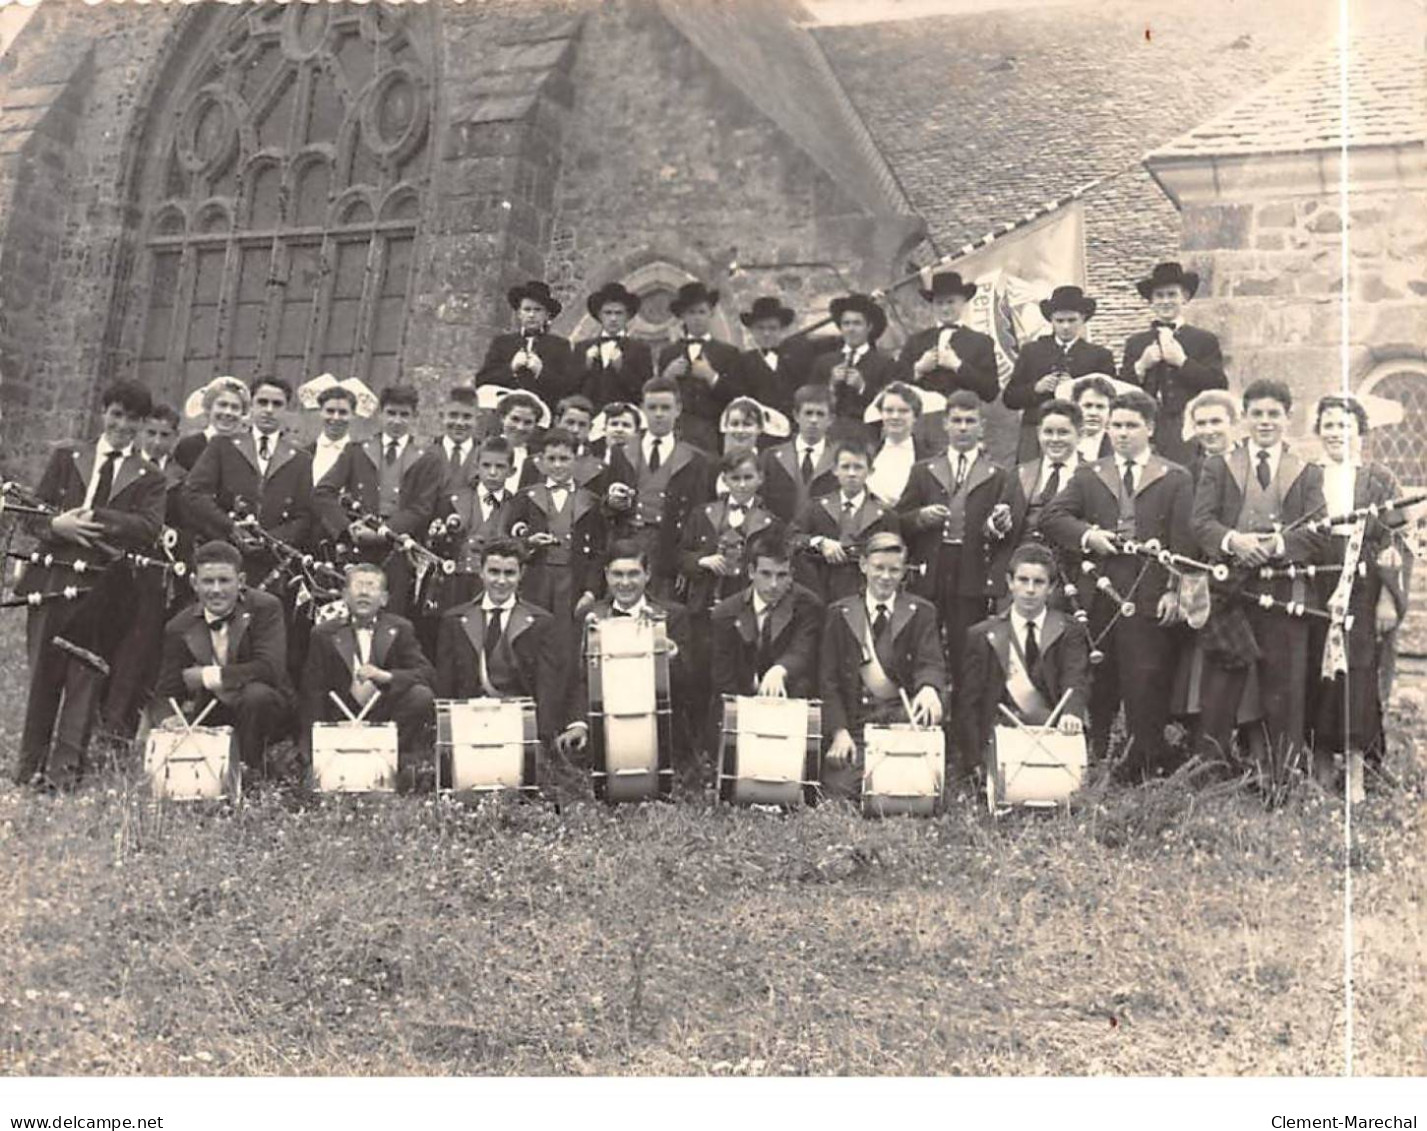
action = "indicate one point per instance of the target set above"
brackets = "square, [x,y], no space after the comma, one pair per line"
[282,193]
[1401,447]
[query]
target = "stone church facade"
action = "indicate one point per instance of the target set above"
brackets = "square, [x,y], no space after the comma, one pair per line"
[189,190]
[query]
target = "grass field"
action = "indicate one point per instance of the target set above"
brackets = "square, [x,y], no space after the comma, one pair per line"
[1169,929]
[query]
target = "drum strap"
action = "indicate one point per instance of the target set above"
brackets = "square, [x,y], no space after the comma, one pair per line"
[1033,706]
[874,675]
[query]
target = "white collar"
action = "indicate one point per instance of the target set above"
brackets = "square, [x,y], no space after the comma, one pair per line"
[333,445]
[209,432]
[855,354]
[1140,461]
[272,439]
[760,606]
[1178,323]
[1067,465]
[387,440]
[952,455]
[450,445]
[816,449]
[857,500]
[639,608]
[104,447]
[551,485]
[208,620]
[908,442]
[890,602]
[1019,623]
[489,606]
[748,506]
[688,337]
[666,444]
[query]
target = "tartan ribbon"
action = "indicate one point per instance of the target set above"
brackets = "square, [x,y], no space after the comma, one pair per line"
[1335,653]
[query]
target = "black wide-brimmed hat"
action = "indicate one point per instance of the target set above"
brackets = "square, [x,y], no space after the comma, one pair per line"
[538,291]
[860,304]
[1168,275]
[612,292]
[948,283]
[1068,298]
[690,294]
[768,306]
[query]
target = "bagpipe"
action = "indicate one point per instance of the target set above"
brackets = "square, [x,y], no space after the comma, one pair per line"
[305,576]
[17,499]
[1326,524]
[429,561]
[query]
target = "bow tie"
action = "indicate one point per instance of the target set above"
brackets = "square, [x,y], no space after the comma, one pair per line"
[741,508]
[615,338]
[218,624]
[1159,324]
[368,625]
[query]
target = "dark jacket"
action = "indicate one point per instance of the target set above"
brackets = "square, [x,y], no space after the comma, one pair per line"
[257,650]
[931,484]
[784,492]
[1037,359]
[795,628]
[703,404]
[978,370]
[558,378]
[915,658]
[602,383]
[526,633]
[702,537]
[878,369]
[691,481]
[1173,388]
[530,513]
[822,518]
[228,470]
[332,663]
[774,388]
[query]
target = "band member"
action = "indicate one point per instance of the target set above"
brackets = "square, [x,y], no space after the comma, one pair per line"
[1247,511]
[1031,485]
[712,547]
[945,510]
[224,401]
[336,406]
[1048,360]
[1135,494]
[774,369]
[104,490]
[372,654]
[564,527]
[531,357]
[897,409]
[499,646]
[829,532]
[1214,416]
[614,426]
[614,365]
[230,645]
[522,415]
[1344,676]
[656,484]
[1092,396]
[261,468]
[135,664]
[627,579]
[876,646]
[765,636]
[705,368]
[1172,360]
[1025,659]
[746,426]
[948,356]
[856,372]
[576,415]
[801,469]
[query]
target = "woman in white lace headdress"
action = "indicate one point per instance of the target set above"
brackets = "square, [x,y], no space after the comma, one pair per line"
[897,408]
[743,424]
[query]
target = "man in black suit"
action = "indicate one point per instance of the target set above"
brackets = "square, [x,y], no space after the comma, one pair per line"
[773,370]
[705,368]
[261,468]
[101,491]
[371,654]
[875,647]
[765,637]
[1249,510]
[656,482]
[1172,360]
[857,372]
[948,356]
[231,645]
[1137,495]
[1048,360]
[627,578]
[531,358]
[498,646]
[945,511]
[801,469]
[613,366]
[1092,395]
[1025,658]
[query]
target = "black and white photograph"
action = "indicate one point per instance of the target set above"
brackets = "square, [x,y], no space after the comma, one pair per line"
[704,539]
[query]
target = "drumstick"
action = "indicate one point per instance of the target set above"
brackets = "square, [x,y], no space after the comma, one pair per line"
[338,700]
[177,710]
[907,705]
[1010,714]
[203,714]
[1055,714]
[367,706]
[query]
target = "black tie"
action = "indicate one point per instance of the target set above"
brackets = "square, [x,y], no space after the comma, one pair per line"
[960,471]
[1052,485]
[1157,325]
[1129,479]
[807,468]
[493,627]
[263,449]
[616,611]
[879,625]
[1033,651]
[106,479]
[492,502]
[765,642]
[457,454]
[391,452]
[1265,473]
[654,458]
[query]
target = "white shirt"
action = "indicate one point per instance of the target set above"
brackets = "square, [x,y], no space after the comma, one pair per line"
[608,348]
[953,457]
[1339,481]
[638,609]
[258,448]
[761,609]
[559,492]
[1275,455]
[737,513]
[489,606]
[666,447]
[101,454]
[1067,469]
[451,449]
[324,456]
[944,333]
[852,356]
[212,674]
[857,500]
[891,470]
[1089,447]
[364,645]
[401,442]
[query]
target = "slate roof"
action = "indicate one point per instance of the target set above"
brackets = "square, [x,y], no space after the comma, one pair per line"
[983,117]
[1303,109]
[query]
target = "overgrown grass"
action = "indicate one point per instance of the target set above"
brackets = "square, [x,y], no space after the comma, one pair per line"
[1172,929]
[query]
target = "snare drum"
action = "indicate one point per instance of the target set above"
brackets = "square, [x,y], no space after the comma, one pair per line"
[1037,767]
[631,744]
[770,750]
[200,764]
[903,770]
[487,745]
[353,757]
